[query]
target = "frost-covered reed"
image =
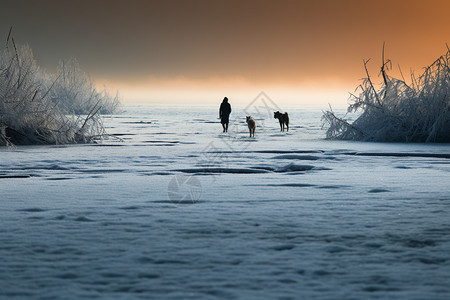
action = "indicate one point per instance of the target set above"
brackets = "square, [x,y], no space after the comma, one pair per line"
[76,93]
[38,108]
[397,111]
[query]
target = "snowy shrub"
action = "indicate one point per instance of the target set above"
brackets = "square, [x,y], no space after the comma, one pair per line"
[398,112]
[74,91]
[34,106]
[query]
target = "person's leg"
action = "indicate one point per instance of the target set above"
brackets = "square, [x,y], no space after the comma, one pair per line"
[226,127]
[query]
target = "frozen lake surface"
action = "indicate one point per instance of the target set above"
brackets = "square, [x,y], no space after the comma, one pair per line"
[179,210]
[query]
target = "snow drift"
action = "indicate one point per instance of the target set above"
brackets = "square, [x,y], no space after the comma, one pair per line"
[397,111]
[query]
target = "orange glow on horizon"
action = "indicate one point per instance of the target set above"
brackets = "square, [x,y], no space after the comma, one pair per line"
[211,91]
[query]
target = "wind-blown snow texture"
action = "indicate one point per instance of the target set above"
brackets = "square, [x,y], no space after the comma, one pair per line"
[180,210]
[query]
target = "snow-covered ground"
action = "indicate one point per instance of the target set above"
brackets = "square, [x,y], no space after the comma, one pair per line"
[178,210]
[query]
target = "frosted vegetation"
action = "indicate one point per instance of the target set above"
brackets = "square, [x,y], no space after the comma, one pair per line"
[41,108]
[75,92]
[397,111]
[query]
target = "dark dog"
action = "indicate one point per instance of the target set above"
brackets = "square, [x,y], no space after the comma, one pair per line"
[251,125]
[283,118]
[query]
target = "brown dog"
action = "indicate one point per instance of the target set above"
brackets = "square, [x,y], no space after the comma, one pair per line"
[283,118]
[251,125]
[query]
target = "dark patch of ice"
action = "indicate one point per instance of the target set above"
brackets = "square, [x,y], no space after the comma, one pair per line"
[14,176]
[294,173]
[284,247]
[287,151]
[35,218]
[332,186]
[432,260]
[378,191]
[222,170]
[335,249]
[267,168]
[102,171]
[432,155]
[106,145]
[177,201]
[123,134]
[294,168]
[42,167]
[131,207]
[299,157]
[162,142]
[373,245]
[296,184]
[284,184]
[270,151]
[32,209]
[67,276]
[159,173]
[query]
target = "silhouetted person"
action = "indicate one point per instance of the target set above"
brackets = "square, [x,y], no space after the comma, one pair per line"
[224,114]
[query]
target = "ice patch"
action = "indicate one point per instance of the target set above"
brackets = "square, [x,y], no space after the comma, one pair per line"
[401,154]
[298,157]
[285,184]
[222,170]
[294,168]
[284,247]
[333,186]
[32,209]
[378,191]
[14,176]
